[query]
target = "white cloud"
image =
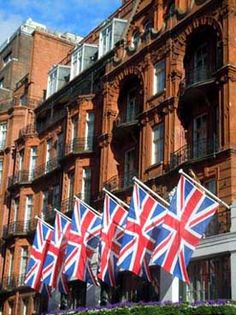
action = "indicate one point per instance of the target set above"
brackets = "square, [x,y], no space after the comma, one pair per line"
[8,25]
[75,16]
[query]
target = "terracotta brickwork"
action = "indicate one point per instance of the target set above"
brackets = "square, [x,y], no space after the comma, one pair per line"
[160,99]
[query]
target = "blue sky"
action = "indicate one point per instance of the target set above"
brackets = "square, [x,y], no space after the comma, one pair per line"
[75,16]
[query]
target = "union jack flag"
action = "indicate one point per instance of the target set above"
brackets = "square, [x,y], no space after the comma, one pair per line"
[110,239]
[37,255]
[189,213]
[53,264]
[144,219]
[82,243]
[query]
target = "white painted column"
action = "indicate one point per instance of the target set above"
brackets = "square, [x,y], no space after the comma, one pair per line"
[233,217]
[169,287]
[233,275]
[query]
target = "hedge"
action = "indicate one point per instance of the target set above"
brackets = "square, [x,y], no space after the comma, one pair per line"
[209,308]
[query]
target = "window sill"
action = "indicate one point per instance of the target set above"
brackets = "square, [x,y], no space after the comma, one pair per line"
[157,95]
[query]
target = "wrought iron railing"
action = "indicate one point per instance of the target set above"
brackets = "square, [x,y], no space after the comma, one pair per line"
[9,283]
[46,168]
[21,177]
[19,228]
[57,115]
[27,130]
[80,145]
[197,75]
[196,150]
[128,117]
[120,182]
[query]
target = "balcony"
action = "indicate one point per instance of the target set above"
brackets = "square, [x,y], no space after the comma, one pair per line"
[28,130]
[18,228]
[197,76]
[192,152]
[22,177]
[46,168]
[123,182]
[80,145]
[12,282]
[125,123]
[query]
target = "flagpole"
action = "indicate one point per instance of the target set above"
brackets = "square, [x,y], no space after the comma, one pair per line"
[63,215]
[150,190]
[116,198]
[203,188]
[48,225]
[86,205]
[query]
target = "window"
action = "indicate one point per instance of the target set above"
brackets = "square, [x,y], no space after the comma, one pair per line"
[24,307]
[86,184]
[57,77]
[23,262]
[33,161]
[200,136]
[209,279]
[60,140]
[157,143]
[11,263]
[48,155]
[132,109]
[76,63]
[1,171]
[74,132]
[106,40]
[2,83]
[21,160]
[15,209]
[7,58]
[45,202]
[135,39]
[10,308]
[52,82]
[3,135]
[89,130]
[71,180]
[110,35]
[82,58]
[159,77]
[28,210]
[129,167]
[56,197]
[200,63]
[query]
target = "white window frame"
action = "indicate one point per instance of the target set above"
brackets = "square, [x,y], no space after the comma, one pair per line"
[1,171]
[48,154]
[158,143]
[76,62]
[159,77]
[33,161]
[106,39]
[3,134]
[23,260]
[86,184]
[89,130]
[28,210]
[52,81]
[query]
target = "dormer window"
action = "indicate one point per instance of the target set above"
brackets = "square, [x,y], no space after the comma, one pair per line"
[57,78]
[110,35]
[82,58]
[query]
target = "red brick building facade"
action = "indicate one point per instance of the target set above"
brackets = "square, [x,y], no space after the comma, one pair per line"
[149,91]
